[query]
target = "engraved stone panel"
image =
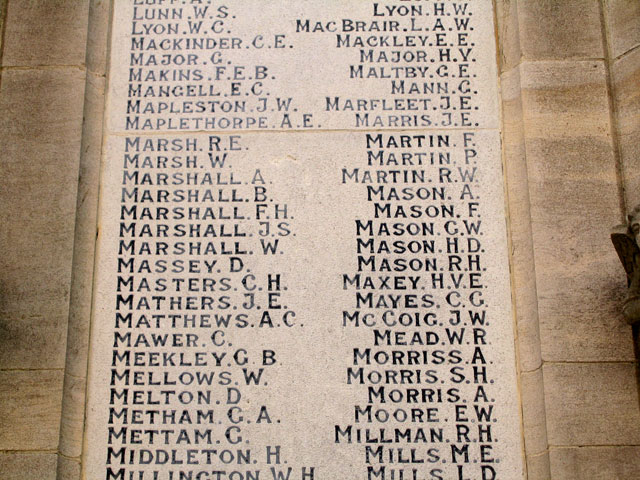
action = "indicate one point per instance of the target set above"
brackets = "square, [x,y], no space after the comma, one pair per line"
[302,265]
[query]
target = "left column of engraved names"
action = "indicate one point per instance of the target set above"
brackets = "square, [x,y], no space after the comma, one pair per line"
[187,370]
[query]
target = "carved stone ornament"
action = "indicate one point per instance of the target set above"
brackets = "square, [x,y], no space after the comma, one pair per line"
[626,240]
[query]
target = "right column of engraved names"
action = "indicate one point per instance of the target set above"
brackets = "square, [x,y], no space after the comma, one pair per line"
[427,402]
[425,380]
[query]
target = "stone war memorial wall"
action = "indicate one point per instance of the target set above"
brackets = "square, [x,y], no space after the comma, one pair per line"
[302,268]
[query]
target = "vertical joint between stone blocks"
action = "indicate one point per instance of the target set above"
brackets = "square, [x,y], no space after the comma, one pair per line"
[613,111]
[3,22]
[522,259]
[72,422]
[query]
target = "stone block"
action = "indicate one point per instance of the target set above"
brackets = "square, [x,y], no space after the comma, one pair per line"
[538,467]
[86,225]
[23,466]
[45,32]
[581,317]
[97,40]
[623,24]
[522,261]
[68,468]
[626,77]
[595,463]
[508,35]
[72,422]
[567,29]
[591,404]
[565,99]
[30,404]
[533,412]
[41,128]
[3,14]
[573,190]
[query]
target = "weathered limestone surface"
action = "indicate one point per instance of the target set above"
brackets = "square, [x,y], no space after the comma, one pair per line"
[623,24]
[30,408]
[626,77]
[572,139]
[535,429]
[74,396]
[571,170]
[45,33]
[508,32]
[523,277]
[592,404]
[68,468]
[524,281]
[41,134]
[21,466]
[596,463]
[41,97]
[559,29]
